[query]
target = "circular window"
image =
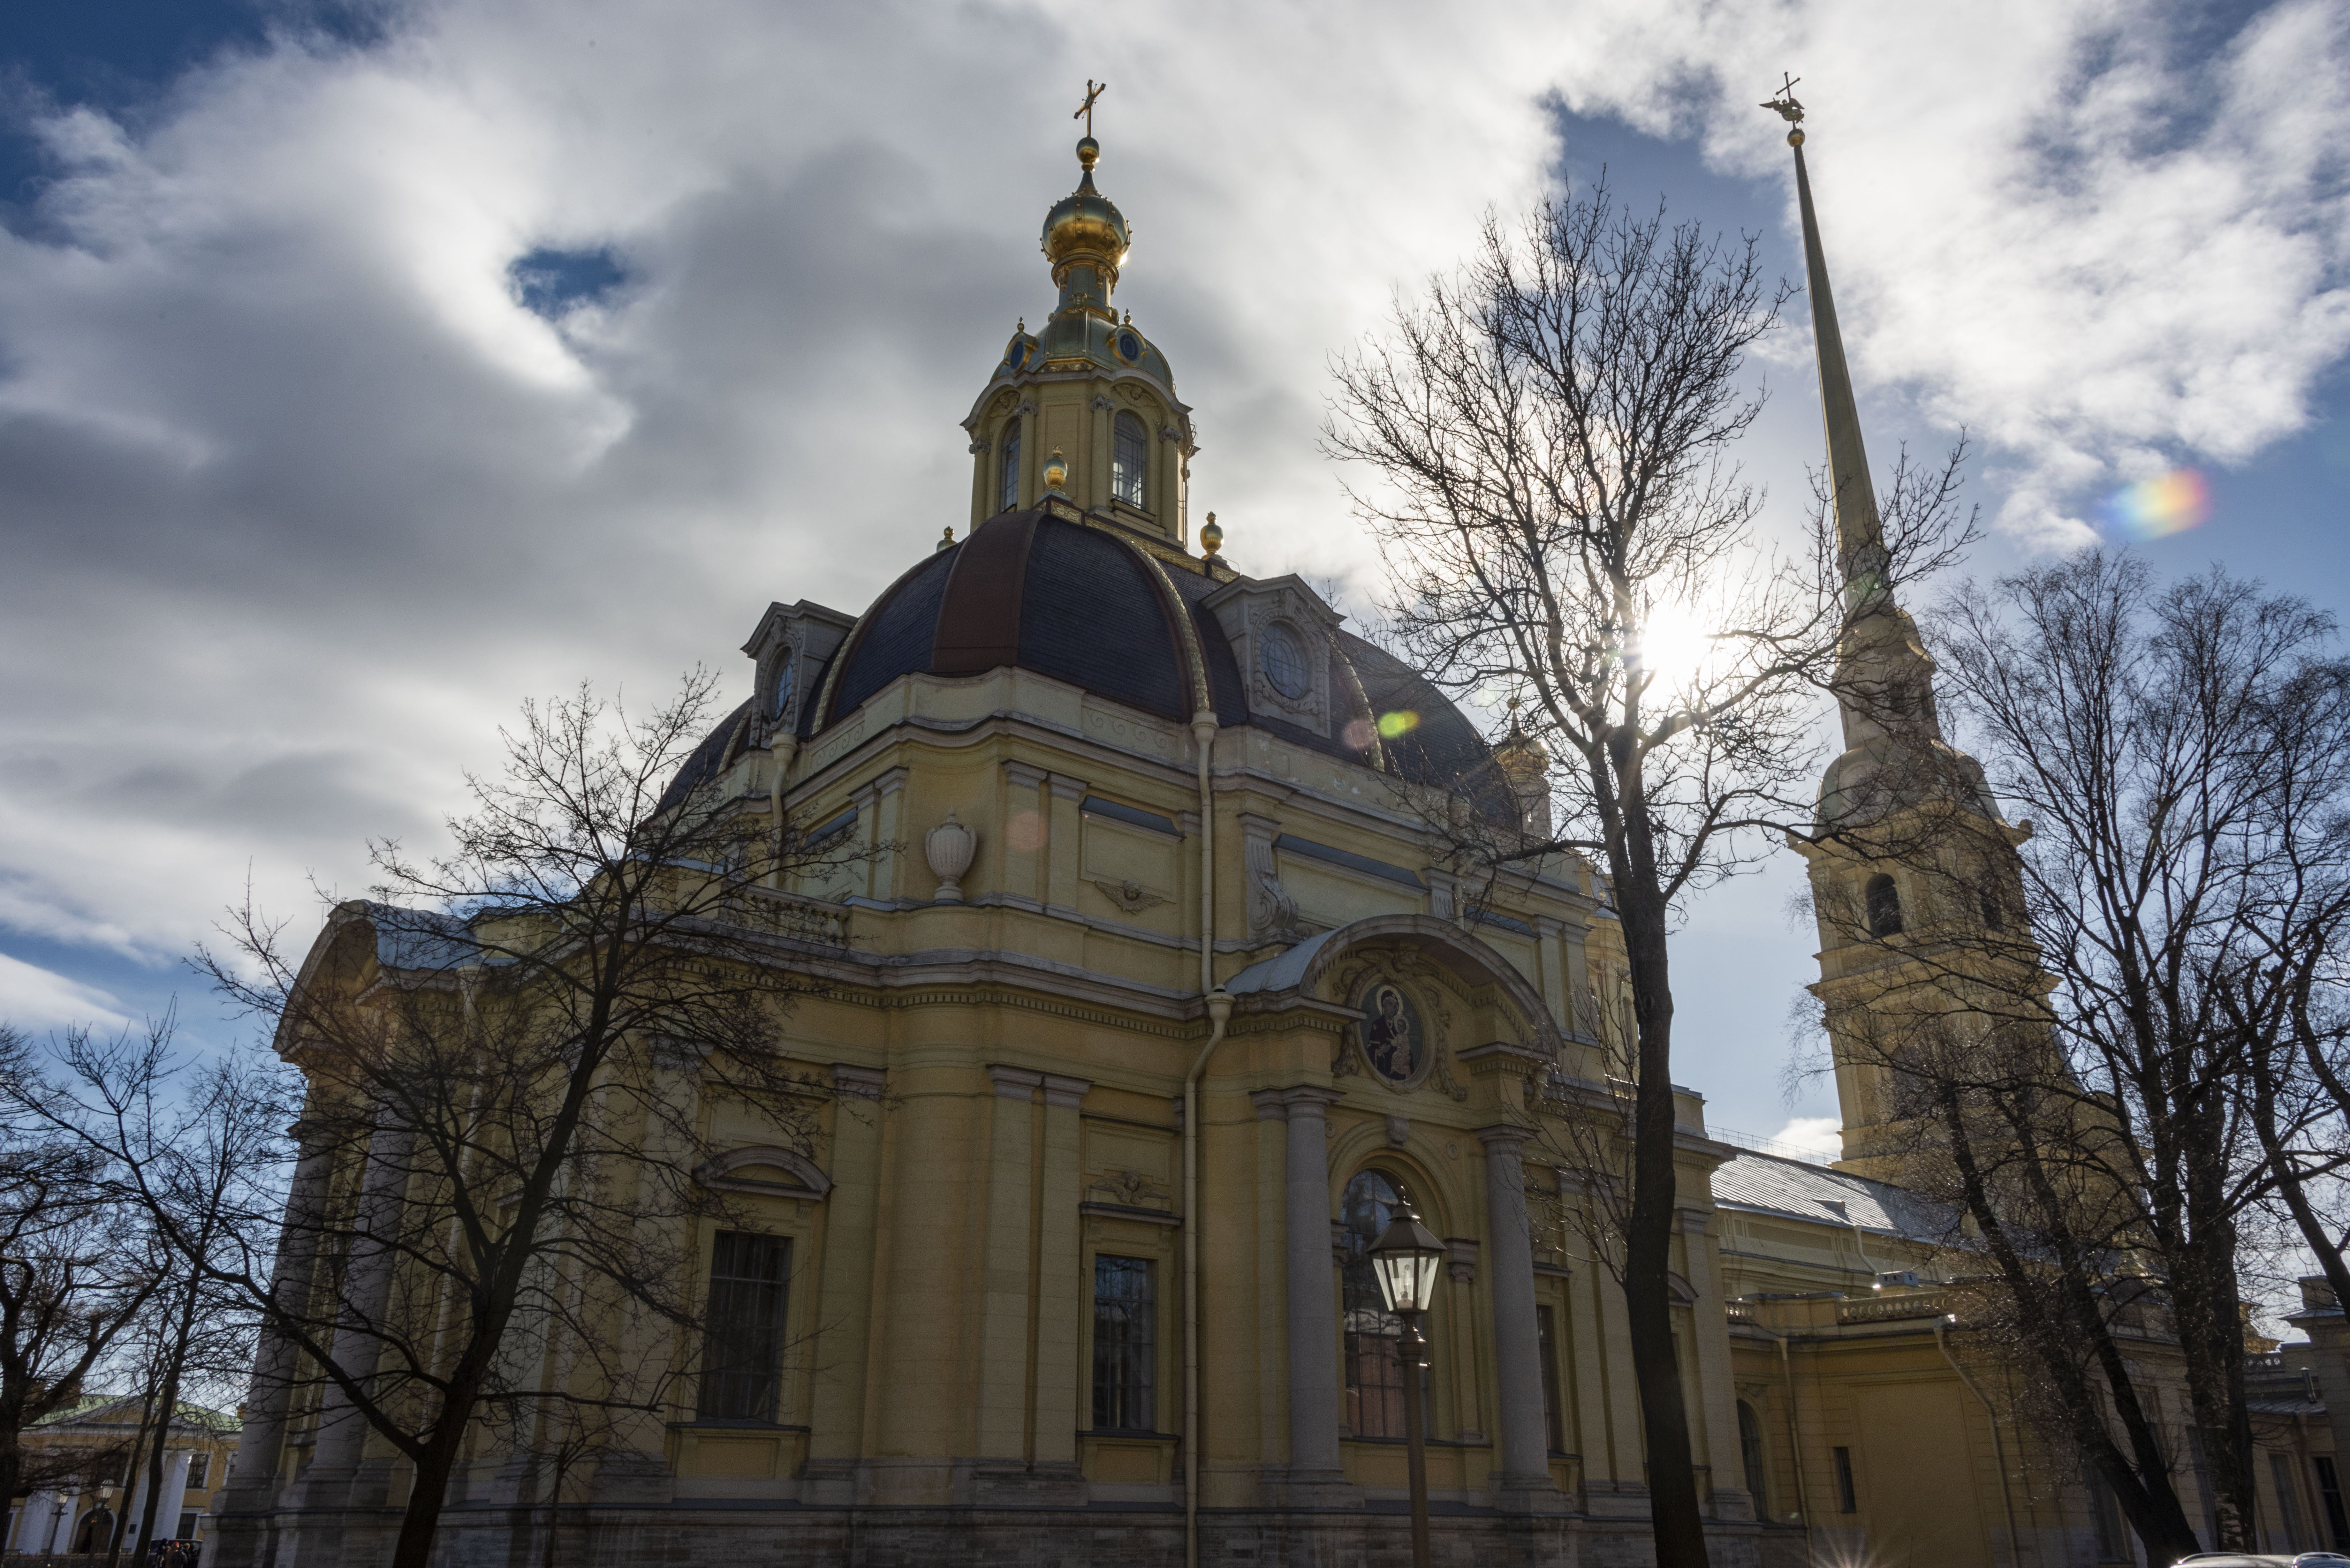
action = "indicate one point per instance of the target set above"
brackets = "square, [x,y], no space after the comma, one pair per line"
[1015,355]
[781,696]
[1130,347]
[1284,662]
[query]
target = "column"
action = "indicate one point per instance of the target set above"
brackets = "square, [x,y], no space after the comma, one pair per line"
[1713,1419]
[1064,843]
[1061,1294]
[1313,1293]
[844,1302]
[979,450]
[252,1484]
[366,1295]
[1517,1353]
[1169,499]
[881,823]
[1550,947]
[1023,830]
[1272,1262]
[633,1471]
[173,1495]
[1004,1263]
[1097,488]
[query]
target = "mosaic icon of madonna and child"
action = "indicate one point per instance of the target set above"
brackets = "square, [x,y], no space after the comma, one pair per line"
[1393,1041]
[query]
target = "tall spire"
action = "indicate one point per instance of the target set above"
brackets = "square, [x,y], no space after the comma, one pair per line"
[1860,537]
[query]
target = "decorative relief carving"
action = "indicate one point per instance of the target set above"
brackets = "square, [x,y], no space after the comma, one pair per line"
[1130,896]
[1273,913]
[1132,734]
[1422,1023]
[1133,1189]
[836,742]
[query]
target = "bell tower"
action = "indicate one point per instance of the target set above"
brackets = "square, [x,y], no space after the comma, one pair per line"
[1084,407]
[1911,865]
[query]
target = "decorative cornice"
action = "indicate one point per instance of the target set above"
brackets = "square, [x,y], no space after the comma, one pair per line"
[1015,1083]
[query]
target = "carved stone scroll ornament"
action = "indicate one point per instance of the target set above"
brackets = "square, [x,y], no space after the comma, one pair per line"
[1272,911]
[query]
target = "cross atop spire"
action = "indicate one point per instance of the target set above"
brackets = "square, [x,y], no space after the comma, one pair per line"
[1086,111]
[1786,105]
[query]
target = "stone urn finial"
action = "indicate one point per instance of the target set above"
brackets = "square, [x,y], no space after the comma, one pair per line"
[949,847]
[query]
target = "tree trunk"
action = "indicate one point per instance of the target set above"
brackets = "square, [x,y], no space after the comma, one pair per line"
[1675,1517]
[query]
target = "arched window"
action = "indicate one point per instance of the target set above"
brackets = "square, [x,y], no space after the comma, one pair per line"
[1374,1336]
[1750,1448]
[1130,464]
[1882,902]
[1007,492]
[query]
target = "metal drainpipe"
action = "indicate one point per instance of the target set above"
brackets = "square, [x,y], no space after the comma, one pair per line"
[1998,1447]
[1220,1012]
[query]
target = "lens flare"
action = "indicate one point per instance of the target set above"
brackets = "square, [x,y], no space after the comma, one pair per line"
[2156,508]
[1402,722]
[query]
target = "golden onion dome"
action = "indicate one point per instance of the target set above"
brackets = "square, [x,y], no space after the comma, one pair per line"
[1086,225]
[1519,756]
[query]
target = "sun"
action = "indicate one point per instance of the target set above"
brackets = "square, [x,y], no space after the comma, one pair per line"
[1673,645]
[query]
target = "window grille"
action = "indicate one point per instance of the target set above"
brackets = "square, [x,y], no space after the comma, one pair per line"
[743,1349]
[1374,1336]
[1125,1343]
[1130,464]
[1007,491]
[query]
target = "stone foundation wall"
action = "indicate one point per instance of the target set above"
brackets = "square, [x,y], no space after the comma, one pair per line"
[732,1535]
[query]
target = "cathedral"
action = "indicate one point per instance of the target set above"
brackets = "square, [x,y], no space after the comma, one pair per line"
[1146,1010]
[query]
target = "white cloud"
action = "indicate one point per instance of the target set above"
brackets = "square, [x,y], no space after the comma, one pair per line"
[36,998]
[302,502]
[1821,1137]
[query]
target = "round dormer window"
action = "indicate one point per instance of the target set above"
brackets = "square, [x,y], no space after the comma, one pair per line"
[779,698]
[1284,662]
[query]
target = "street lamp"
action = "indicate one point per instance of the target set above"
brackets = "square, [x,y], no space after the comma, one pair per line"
[1406,1258]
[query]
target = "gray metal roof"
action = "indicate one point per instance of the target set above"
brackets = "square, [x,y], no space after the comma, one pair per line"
[1769,1184]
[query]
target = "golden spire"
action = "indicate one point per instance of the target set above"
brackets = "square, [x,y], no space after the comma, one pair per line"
[1860,539]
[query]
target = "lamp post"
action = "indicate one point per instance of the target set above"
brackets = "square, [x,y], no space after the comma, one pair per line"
[1405,1259]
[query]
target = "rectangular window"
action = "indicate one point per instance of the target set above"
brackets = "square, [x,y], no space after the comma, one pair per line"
[1847,1500]
[2199,1458]
[2288,1502]
[2329,1497]
[2105,1513]
[200,1470]
[1125,1344]
[187,1527]
[1548,1342]
[742,1346]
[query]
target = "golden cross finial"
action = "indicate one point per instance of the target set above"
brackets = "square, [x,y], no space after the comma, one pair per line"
[1784,104]
[1086,109]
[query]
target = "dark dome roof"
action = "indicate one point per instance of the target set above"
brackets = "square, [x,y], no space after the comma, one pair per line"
[1085,605]
[1048,594]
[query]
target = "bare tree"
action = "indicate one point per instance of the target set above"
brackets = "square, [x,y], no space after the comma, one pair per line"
[73,1277]
[2095,1046]
[1549,431]
[503,1051]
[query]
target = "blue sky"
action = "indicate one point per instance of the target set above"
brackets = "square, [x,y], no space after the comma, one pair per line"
[365,368]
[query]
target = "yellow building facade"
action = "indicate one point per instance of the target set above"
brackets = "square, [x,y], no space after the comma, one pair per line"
[1147,870]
